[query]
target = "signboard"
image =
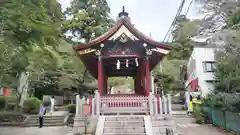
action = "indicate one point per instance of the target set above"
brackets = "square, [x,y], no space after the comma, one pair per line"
[86,109]
[86,51]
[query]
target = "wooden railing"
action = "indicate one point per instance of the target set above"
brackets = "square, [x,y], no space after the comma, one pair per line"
[124,104]
[116,104]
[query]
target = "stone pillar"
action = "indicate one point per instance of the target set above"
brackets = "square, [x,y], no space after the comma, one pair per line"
[150,102]
[152,83]
[147,79]
[97,98]
[100,76]
[77,105]
[165,105]
[169,104]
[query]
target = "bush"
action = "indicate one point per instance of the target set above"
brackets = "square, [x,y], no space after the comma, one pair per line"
[71,108]
[10,107]
[198,114]
[31,105]
[2,102]
[229,101]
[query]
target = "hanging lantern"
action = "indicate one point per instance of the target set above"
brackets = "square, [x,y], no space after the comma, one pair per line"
[118,64]
[126,62]
[136,61]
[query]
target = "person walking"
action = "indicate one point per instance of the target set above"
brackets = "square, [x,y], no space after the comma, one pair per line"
[52,105]
[42,112]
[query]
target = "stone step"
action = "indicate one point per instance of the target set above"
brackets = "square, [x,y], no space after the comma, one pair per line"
[123,123]
[129,118]
[124,130]
[163,123]
[162,117]
[55,121]
[45,124]
[124,133]
[162,130]
[47,116]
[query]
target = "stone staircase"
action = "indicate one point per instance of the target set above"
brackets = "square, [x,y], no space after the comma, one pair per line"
[121,125]
[33,121]
[163,125]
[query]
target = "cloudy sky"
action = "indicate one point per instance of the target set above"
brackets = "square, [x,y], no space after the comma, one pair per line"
[149,16]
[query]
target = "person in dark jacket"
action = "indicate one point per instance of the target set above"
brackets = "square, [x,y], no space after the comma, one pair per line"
[42,112]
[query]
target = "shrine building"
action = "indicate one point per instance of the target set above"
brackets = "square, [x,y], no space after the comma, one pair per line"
[122,51]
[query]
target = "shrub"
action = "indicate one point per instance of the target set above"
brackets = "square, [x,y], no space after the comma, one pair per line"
[71,108]
[2,102]
[31,105]
[10,106]
[198,114]
[229,101]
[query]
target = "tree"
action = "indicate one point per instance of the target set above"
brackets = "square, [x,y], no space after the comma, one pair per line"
[217,14]
[227,69]
[30,31]
[116,81]
[88,19]
[164,81]
[183,33]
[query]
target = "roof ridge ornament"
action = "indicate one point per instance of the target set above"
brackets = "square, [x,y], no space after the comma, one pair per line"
[123,14]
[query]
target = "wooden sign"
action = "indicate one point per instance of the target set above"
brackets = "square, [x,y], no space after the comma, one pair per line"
[86,51]
[163,51]
[86,109]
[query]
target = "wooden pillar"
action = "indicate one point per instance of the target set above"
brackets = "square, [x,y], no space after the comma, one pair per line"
[136,83]
[100,76]
[147,77]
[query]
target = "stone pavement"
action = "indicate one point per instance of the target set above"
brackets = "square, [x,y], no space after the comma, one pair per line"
[35,131]
[195,129]
[186,126]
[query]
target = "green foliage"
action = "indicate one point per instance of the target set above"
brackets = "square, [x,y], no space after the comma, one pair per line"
[234,19]
[227,69]
[29,28]
[116,81]
[164,81]
[10,107]
[89,19]
[2,102]
[198,114]
[229,101]
[71,108]
[31,105]
[182,34]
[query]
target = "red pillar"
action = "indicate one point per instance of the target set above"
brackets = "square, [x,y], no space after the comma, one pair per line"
[143,81]
[147,73]
[100,76]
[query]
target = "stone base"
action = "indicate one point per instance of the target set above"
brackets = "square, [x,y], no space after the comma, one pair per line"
[81,123]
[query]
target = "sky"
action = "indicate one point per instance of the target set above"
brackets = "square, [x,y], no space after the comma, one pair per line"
[149,16]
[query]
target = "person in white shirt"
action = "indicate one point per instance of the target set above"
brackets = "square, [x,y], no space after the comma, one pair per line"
[52,105]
